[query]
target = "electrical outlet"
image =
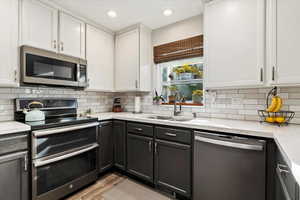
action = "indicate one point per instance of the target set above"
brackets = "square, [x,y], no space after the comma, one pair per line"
[212,95]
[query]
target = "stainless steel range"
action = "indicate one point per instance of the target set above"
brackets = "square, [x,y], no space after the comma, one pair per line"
[63,148]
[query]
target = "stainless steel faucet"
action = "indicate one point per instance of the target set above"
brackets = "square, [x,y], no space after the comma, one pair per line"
[176,113]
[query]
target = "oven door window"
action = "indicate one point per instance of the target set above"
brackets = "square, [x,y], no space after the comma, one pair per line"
[57,174]
[61,142]
[43,67]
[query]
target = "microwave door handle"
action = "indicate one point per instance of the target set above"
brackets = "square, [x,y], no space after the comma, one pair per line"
[78,73]
[39,163]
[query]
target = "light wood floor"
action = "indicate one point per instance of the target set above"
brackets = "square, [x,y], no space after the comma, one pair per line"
[95,191]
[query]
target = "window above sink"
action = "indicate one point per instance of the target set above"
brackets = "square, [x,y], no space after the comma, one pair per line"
[184,76]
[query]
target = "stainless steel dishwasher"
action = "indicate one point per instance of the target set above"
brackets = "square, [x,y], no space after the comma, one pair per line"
[229,167]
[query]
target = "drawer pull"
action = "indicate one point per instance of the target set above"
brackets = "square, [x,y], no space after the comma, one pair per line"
[279,172]
[283,169]
[171,134]
[138,129]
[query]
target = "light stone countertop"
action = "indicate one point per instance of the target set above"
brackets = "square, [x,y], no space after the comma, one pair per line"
[287,138]
[13,127]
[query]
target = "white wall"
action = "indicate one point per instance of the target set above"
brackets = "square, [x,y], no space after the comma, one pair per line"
[178,31]
[181,30]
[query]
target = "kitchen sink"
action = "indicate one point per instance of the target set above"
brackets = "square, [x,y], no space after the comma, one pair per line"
[170,118]
[161,117]
[182,119]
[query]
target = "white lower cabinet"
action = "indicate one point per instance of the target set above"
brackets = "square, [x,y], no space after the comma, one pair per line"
[71,36]
[284,41]
[234,43]
[100,58]
[9,64]
[133,60]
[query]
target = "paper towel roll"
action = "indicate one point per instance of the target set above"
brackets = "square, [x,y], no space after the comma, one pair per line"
[137,104]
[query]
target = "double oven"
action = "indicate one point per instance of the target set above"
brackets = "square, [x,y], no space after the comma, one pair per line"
[64,159]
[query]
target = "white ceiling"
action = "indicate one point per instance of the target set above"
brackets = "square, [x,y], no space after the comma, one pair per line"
[148,12]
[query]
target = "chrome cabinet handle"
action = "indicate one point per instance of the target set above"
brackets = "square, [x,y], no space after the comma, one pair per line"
[61,46]
[279,172]
[54,44]
[155,148]
[138,129]
[273,73]
[283,168]
[171,134]
[261,75]
[16,75]
[150,146]
[26,163]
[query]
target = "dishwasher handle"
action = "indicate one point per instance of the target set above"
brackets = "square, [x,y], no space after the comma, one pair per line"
[232,144]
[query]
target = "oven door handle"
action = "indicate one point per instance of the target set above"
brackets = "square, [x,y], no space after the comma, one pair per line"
[52,131]
[39,163]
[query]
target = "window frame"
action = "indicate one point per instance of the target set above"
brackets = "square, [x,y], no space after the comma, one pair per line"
[159,83]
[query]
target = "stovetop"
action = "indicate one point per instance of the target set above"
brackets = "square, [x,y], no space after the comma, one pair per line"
[58,122]
[58,112]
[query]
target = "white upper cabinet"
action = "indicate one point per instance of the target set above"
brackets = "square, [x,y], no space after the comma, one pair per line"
[127,61]
[100,58]
[234,43]
[133,60]
[71,36]
[48,28]
[284,41]
[9,43]
[39,25]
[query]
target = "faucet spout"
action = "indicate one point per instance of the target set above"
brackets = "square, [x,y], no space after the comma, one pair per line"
[176,112]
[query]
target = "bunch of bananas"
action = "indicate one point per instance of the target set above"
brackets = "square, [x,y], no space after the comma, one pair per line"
[275,105]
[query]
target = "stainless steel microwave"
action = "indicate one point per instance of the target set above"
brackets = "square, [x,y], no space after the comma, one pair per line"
[49,68]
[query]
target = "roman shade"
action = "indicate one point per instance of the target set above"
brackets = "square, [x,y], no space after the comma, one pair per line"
[187,48]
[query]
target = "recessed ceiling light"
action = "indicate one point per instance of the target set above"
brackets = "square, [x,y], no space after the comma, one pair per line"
[168,12]
[112,14]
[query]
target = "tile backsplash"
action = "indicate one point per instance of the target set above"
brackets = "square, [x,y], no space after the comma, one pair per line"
[239,104]
[98,102]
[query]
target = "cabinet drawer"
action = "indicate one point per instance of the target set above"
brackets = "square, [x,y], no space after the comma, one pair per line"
[12,143]
[175,135]
[286,180]
[140,129]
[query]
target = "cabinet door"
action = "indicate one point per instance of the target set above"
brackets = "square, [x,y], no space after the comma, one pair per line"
[285,42]
[127,61]
[71,36]
[100,58]
[39,25]
[119,131]
[9,43]
[144,82]
[173,167]
[106,142]
[234,43]
[140,156]
[14,176]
